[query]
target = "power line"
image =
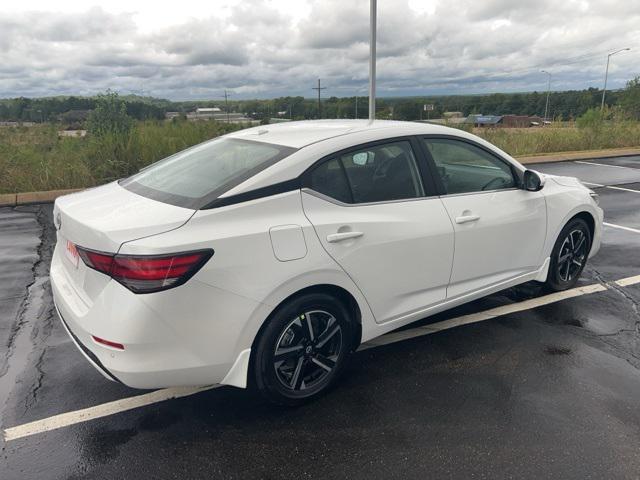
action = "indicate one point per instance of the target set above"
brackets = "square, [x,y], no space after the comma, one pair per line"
[319,89]
[226,103]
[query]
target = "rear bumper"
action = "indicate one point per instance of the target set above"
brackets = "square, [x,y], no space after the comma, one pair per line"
[88,354]
[186,336]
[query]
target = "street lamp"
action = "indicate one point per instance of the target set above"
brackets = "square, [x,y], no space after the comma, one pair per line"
[606,74]
[546,107]
[357,91]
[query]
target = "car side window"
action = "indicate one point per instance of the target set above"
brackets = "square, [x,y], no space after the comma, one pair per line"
[465,168]
[374,174]
[329,179]
[383,173]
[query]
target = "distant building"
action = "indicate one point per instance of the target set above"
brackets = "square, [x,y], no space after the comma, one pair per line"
[520,121]
[218,115]
[207,112]
[505,121]
[479,120]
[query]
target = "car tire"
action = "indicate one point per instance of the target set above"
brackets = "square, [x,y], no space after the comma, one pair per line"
[569,255]
[303,349]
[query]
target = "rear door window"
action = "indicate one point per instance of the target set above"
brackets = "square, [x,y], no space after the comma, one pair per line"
[378,173]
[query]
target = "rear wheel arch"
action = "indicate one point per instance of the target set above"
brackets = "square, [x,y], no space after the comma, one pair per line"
[340,293]
[262,382]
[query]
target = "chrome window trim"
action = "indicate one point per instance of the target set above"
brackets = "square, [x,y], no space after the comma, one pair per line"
[481,192]
[322,196]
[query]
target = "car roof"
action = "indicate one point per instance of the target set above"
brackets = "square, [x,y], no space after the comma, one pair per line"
[303,133]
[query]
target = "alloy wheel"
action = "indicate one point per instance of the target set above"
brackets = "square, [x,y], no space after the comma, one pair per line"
[572,255]
[307,350]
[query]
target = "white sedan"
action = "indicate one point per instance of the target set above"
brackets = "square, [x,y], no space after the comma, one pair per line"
[266,256]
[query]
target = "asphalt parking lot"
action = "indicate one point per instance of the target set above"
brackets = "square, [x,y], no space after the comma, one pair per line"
[543,386]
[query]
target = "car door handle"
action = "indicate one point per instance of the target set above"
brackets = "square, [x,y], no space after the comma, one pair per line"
[467,218]
[339,237]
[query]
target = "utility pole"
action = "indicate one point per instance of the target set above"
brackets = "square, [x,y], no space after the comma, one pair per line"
[319,89]
[546,107]
[226,103]
[606,74]
[372,59]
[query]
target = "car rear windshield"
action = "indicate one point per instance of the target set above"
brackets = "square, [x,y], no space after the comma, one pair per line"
[196,176]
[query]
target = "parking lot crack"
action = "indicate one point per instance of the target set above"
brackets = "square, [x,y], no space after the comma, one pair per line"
[24,306]
[33,321]
[629,298]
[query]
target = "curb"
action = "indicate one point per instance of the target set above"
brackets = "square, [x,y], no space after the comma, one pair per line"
[579,155]
[30,198]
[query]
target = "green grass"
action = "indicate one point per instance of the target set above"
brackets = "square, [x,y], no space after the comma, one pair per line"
[34,158]
[551,139]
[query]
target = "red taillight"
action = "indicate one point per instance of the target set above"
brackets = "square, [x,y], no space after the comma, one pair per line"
[146,273]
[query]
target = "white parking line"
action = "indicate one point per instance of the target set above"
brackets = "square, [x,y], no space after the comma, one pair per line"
[623,189]
[103,410]
[394,337]
[602,164]
[628,229]
[625,282]
[111,408]
[593,184]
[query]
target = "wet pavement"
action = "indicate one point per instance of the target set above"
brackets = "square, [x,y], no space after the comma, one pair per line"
[548,392]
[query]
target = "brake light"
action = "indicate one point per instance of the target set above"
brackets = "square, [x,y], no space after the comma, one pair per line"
[146,273]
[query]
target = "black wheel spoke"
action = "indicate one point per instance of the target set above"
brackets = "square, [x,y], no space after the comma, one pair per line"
[567,276]
[323,362]
[298,377]
[579,244]
[327,335]
[307,318]
[286,353]
[564,258]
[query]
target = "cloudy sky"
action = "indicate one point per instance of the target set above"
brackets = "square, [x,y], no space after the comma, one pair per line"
[190,49]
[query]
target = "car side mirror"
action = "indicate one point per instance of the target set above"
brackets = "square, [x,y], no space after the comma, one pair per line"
[532,181]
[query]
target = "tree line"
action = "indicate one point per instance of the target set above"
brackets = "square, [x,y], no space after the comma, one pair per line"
[565,105]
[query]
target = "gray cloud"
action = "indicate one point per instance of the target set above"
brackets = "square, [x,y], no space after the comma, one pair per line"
[464,46]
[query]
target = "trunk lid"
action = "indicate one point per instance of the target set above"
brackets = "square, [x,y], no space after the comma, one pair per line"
[105,217]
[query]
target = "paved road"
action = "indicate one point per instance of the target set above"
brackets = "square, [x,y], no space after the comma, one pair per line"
[546,392]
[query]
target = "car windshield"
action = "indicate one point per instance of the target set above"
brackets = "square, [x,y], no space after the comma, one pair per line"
[196,176]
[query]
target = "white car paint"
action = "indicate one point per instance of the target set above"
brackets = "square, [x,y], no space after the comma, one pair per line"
[501,223]
[399,260]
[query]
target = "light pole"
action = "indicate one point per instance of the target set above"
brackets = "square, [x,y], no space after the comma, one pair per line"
[373,7]
[546,107]
[606,74]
